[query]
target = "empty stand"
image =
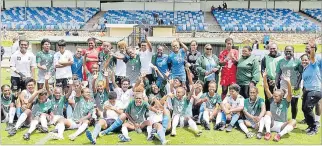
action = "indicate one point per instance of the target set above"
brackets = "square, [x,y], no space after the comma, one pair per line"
[46,18]
[279,20]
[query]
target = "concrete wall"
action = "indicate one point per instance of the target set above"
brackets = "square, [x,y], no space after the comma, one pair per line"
[56,3]
[168,6]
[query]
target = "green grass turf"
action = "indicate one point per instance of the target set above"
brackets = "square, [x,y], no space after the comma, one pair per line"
[184,136]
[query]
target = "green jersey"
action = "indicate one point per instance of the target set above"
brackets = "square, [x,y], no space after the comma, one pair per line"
[289,68]
[247,70]
[279,111]
[47,59]
[182,107]
[100,99]
[58,104]
[137,112]
[253,108]
[270,64]
[133,66]
[102,57]
[82,108]
[39,108]
[6,101]
[212,100]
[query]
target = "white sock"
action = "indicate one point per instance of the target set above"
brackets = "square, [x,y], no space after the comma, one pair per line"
[218,118]
[192,125]
[33,125]
[125,132]
[81,129]
[287,129]
[261,125]
[43,121]
[199,117]
[317,118]
[243,127]
[175,122]
[60,127]
[149,129]
[206,116]
[21,119]
[12,112]
[181,121]
[267,121]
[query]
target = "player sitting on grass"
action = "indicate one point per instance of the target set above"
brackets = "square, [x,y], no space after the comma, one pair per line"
[276,118]
[24,105]
[41,109]
[232,107]
[254,111]
[135,113]
[112,110]
[84,106]
[58,100]
[8,109]
[210,102]
[182,110]
[161,122]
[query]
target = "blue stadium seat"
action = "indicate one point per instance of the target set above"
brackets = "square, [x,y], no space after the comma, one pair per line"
[254,19]
[194,18]
[314,13]
[43,16]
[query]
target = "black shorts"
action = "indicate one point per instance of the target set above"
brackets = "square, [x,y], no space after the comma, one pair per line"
[62,83]
[109,122]
[17,84]
[150,78]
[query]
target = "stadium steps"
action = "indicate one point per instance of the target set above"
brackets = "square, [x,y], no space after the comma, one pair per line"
[212,23]
[309,17]
[94,20]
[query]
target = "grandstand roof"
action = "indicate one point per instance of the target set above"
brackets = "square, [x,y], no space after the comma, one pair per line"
[77,39]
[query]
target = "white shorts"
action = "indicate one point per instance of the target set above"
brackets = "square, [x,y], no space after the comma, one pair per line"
[74,125]
[56,118]
[277,126]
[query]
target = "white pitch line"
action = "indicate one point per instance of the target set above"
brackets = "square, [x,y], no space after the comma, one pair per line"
[43,140]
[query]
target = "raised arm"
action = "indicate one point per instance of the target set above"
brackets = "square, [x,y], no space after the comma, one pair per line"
[289,89]
[185,48]
[266,87]
[149,43]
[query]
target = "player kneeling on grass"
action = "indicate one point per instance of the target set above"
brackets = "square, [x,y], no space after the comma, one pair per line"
[23,105]
[111,112]
[182,110]
[276,118]
[254,111]
[210,104]
[232,107]
[8,109]
[84,105]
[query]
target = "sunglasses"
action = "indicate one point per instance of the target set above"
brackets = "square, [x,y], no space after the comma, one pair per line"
[208,48]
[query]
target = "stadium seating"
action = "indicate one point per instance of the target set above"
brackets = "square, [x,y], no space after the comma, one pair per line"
[278,20]
[314,13]
[46,18]
[184,20]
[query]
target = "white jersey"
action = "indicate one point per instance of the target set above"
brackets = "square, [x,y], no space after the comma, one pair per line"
[234,103]
[154,117]
[23,63]
[64,72]
[145,59]
[120,67]
[111,114]
[124,97]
